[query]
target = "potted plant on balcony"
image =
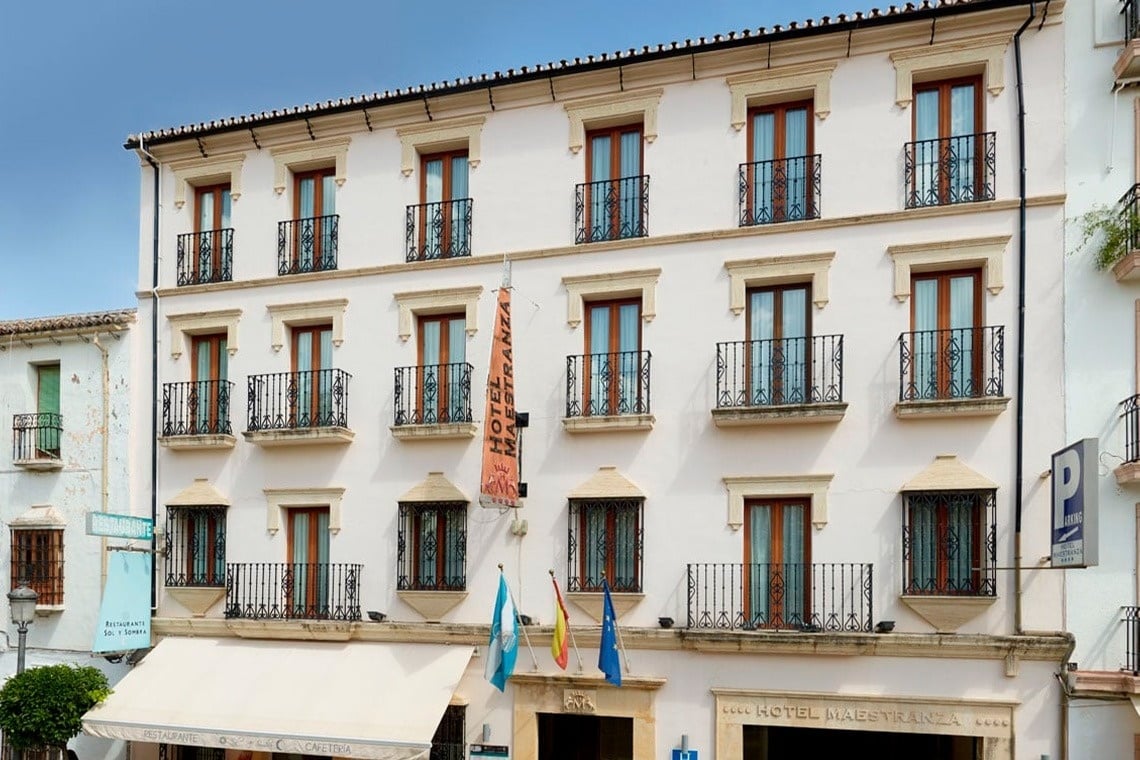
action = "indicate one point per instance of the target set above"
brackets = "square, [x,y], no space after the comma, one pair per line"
[42,708]
[1112,233]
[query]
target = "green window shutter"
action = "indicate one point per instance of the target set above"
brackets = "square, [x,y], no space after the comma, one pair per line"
[48,400]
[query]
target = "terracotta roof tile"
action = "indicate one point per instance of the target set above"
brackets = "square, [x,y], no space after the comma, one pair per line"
[34,325]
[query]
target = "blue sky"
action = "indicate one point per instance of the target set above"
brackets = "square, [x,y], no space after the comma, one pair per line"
[77,76]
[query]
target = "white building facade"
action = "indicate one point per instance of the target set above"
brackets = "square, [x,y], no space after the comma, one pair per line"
[765,294]
[1101,329]
[65,393]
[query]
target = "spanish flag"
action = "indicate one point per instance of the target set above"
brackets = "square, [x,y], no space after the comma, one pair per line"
[558,642]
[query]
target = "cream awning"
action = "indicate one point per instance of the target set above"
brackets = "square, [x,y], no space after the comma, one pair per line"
[366,700]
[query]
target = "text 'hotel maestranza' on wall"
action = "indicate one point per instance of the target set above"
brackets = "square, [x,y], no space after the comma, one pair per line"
[777,426]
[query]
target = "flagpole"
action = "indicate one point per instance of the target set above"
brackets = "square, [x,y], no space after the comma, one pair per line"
[519,623]
[573,641]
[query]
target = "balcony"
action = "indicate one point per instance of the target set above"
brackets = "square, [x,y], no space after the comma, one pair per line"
[798,597]
[1126,268]
[431,557]
[35,441]
[780,190]
[299,408]
[307,245]
[205,257]
[1127,64]
[958,372]
[779,381]
[196,415]
[949,170]
[440,230]
[608,392]
[293,591]
[1128,472]
[611,209]
[1130,616]
[433,402]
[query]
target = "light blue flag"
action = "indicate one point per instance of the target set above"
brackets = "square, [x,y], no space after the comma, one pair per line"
[503,646]
[124,616]
[608,660]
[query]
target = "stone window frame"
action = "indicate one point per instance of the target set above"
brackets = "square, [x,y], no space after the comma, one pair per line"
[984,54]
[183,328]
[413,303]
[640,283]
[315,154]
[612,110]
[199,172]
[277,500]
[778,270]
[304,313]
[813,487]
[986,253]
[416,139]
[41,518]
[783,83]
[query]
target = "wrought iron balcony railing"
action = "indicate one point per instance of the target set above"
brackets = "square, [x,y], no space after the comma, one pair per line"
[205,257]
[959,363]
[780,190]
[195,546]
[198,407]
[440,230]
[1131,13]
[299,400]
[36,436]
[293,591]
[431,546]
[435,394]
[949,170]
[1130,414]
[612,209]
[1130,616]
[307,245]
[607,385]
[949,542]
[780,371]
[1130,216]
[605,541]
[805,597]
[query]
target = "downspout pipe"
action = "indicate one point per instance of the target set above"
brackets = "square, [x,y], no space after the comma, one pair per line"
[104,475]
[153,371]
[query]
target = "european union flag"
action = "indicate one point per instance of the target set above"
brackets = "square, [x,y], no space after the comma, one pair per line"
[608,660]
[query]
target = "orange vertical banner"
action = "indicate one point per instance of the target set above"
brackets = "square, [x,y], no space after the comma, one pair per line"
[499,482]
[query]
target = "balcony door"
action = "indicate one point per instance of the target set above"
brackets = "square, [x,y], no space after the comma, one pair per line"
[314,201]
[444,191]
[778,352]
[613,359]
[440,386]
[947,122]
[778,574]
[946,350]
[779,159]
[47,406]
[209,400]
[614,185]
[309,559]
[213,217]
[310,399]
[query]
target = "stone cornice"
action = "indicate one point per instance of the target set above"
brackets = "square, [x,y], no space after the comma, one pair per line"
[1038,647]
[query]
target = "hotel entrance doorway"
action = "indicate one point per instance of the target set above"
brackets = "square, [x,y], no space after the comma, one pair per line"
[790,743]
[584,737]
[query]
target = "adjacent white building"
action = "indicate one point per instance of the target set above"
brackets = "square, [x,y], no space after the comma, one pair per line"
[65,397]
[765,330]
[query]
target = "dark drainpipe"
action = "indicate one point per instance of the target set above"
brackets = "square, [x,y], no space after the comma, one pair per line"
[153,379]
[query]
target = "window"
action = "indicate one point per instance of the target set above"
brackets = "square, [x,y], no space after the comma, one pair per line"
[196,546]
[187,752]
[444,224]
[213,235]
[950,542]
[613,367]
[780,180]
[950,160]
[946,347]
[778,347]
[615,197]
[777,550]
[37,436]
[37,560]
[432,546]
[309,242]
[311,396]
[308,581]
[209,396]
[449,743]
[605,541]
[443,382]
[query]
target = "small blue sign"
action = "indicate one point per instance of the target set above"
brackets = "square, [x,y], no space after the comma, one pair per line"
[124,616]
[120,526]
[1073,532]
[684,754]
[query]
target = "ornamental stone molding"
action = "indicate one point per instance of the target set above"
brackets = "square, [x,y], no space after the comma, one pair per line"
[983,54]
[613,110]
[183,328]
[441,135]
[776,270]
[314,154]
[640,283]
[215,170]
[987,253]
[779,84]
